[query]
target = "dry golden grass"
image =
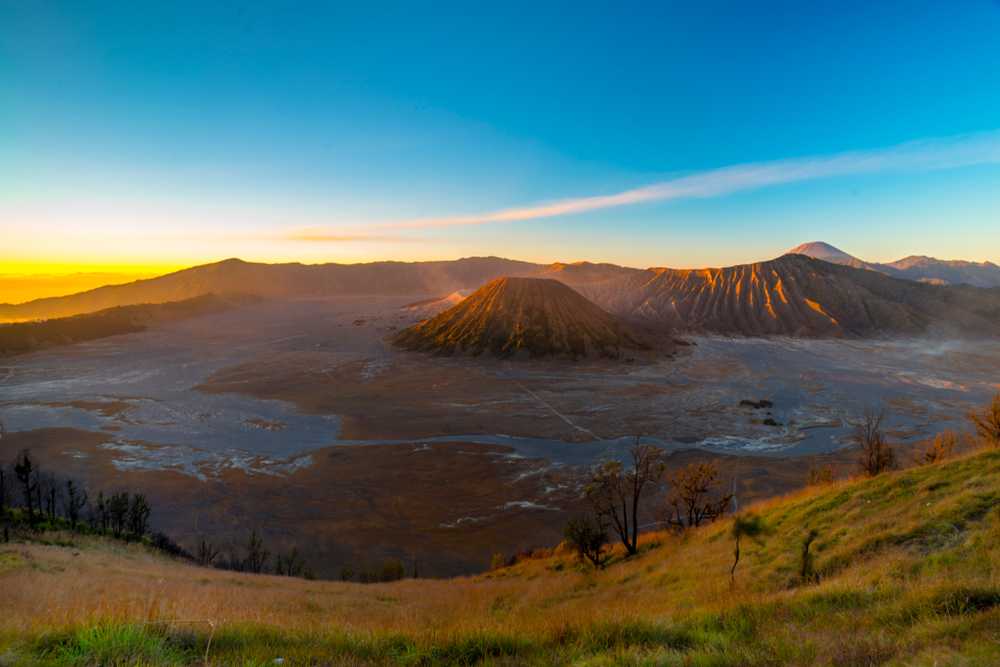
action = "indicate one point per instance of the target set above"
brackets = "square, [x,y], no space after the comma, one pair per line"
[908,566]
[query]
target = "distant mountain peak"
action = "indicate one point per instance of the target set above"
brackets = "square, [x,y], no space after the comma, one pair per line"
[822,250]
[919,268]
[829,253]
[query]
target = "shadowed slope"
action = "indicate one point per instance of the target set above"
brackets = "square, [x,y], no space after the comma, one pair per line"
[23,337]
[539,317]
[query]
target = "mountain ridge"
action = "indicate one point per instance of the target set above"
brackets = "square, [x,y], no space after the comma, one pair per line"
[919,268]
[793,295]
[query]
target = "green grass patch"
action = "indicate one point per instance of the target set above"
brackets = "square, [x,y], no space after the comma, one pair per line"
[114,645]
[831,601]
[11,560]
[121,645]
[966,600]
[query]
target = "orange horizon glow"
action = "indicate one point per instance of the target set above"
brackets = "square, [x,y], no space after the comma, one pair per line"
[62,269]
[21,282]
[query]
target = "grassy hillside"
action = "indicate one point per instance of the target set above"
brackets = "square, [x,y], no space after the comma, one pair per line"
[908,567]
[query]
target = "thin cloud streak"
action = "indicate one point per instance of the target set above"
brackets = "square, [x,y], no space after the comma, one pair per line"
[927,155]
[320,236]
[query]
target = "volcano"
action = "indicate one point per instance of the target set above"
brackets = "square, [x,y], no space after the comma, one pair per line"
[533,317]
[797,296]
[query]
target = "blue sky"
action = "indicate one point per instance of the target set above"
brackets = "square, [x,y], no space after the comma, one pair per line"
[174,133]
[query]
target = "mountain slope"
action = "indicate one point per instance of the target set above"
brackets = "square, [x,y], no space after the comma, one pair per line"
[310,280]
[786,296]
[905,565]
[280,281]
[795,295]
[947,272]
[531,316]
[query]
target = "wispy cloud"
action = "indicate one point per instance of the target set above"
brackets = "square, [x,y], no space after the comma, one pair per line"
[927,155]
[319,235]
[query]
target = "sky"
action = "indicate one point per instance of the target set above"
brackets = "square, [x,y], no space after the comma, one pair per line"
[138,137]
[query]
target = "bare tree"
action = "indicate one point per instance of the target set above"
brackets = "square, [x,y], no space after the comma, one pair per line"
[138,515]
[257,556]
[987,423]
[615,491]
[876,454]
[49,490]
[4,479]
[4,492]
[117,509]
[27,474]
[819,475]
[102,518]
[695,496]
[74,500]
[206,553]
[588,535]
[291,565]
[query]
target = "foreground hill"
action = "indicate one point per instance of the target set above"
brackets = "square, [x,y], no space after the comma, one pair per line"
[523,316]
[25,337]
[906,567]
[915,267]
[795,295]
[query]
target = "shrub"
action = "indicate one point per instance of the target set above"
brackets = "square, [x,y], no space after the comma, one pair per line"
[876,454]
[392,570]
[942,447]
[695,496]
[498,561]
[987,423]
[820,475]
[588,536]
[165,544]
